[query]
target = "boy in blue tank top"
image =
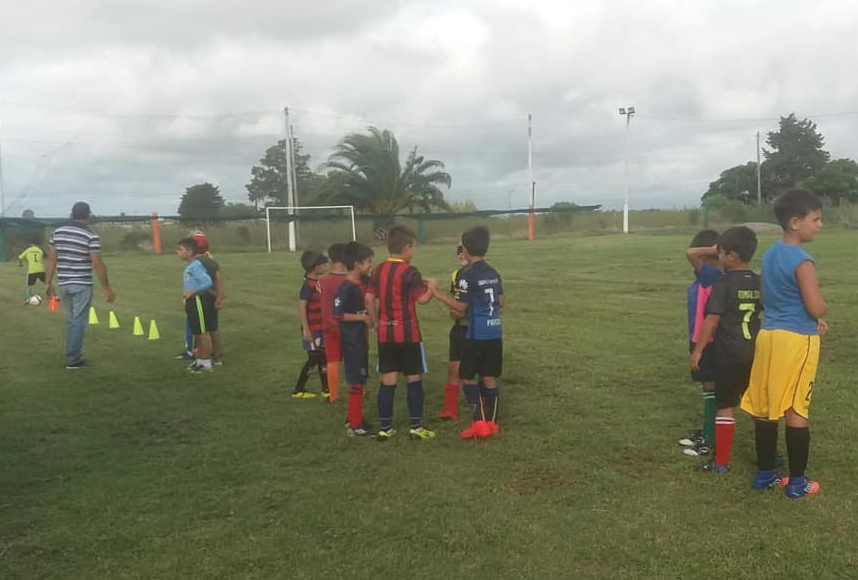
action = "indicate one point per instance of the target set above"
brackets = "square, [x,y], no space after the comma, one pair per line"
[787,348]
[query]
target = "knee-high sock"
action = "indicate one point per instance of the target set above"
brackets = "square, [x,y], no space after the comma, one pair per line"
[355,406]
[319,359]
[304,375]
[385,406]
[415,404]
[334,379]
[472,394]
[709,411]
[725,428]
[798,448]
[189,337]
[451,400]
[766,438]
[490,402]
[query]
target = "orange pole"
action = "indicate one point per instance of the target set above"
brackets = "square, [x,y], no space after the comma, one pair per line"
[530,224]
[156,233]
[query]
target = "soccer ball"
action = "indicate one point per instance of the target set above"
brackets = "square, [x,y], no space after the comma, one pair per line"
[35,300]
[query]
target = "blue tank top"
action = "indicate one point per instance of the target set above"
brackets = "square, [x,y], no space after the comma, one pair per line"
[783,306]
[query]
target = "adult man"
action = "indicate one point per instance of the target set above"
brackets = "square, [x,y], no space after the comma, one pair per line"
[75,251]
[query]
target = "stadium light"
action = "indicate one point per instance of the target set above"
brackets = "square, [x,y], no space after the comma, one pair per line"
[628,112]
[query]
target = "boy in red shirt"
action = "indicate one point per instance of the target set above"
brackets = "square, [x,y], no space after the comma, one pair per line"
[328,285]
[310,311]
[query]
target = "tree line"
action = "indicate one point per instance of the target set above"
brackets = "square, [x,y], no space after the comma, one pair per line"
[795,157]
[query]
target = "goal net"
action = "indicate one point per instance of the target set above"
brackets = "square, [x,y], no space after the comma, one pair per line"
[304,227]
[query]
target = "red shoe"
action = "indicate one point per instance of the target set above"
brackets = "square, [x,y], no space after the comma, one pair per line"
[478,430]
[493,427]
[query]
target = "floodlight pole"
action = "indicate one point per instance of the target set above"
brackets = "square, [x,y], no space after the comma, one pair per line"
[759,178]
[629,113]
[530,216]
[290,187]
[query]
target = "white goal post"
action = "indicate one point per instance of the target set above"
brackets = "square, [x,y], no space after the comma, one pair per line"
[292,209]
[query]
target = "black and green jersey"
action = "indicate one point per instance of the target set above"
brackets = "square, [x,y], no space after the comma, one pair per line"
[736,298]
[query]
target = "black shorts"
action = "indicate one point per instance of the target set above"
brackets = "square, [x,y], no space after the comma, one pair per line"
[731,382]
[31,278]
[706,373]
[457,341]
[481,357]
[401,357]
[356,360]
[202,314]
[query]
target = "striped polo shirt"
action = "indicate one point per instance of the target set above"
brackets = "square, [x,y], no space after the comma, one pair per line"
[74,243]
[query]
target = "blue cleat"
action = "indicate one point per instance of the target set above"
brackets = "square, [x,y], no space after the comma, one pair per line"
[799,487]
[767,480]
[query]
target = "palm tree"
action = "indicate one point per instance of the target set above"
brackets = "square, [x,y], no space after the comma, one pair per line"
[366,173]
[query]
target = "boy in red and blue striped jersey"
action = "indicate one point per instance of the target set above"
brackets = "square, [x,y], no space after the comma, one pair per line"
[398,287]
[312,325]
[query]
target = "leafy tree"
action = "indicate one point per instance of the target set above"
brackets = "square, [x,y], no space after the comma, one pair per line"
[201,201]
[28,214]
[268,185]
[739,183]
[466,206]
[837,181]
[367,173]
[796,153]
[239,211]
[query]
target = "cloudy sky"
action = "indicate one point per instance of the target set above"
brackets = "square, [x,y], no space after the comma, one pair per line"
[126,103]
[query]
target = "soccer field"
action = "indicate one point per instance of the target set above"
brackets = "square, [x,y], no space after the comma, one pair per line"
[134,468]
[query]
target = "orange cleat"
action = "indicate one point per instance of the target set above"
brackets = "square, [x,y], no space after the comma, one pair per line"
[478,430]
[494,429]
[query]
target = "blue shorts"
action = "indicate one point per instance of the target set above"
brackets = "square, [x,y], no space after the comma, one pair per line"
[356,361]
[318,341]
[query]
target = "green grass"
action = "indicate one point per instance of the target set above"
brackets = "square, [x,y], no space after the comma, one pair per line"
[136,469]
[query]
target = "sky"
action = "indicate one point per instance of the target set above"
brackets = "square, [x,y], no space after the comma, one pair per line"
[126,103]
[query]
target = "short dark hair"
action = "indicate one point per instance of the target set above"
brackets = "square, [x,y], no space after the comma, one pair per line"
[739,239]
[189,243]
[81,211]
[355,252]
[795,203]
[335,252]
[704,239]
[311,259]
[476,241]
[398,237]
[36,240]
[459,249]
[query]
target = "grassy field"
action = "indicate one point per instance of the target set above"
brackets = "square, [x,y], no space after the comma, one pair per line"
[135,469]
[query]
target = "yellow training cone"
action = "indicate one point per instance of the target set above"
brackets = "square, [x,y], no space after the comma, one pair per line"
[113,323]
[138,328]
[153,331]
[93,317]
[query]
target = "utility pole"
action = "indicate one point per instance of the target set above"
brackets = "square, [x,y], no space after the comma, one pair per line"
[530,216]
[759,179]
[629,113]
[295,197]
[290,187]
[2,202]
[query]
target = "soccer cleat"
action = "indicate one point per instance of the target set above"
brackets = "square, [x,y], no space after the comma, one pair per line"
[185,355]
[802,487]
[75,366]
[699,450]
[385,435]
[360,431]
[217,362]
[494,429]
[478,430]
[198,369]
[767,480]
[693,439]
[421,433]
[303,395]
[713,467]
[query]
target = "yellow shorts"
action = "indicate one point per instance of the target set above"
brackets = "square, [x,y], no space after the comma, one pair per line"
[783,373]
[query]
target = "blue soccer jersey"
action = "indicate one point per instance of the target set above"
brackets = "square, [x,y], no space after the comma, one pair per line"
[480,288]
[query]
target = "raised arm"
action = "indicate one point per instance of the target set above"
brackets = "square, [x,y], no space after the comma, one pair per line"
[697,256]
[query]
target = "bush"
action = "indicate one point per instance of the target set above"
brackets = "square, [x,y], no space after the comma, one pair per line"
[136,241]
[243,234]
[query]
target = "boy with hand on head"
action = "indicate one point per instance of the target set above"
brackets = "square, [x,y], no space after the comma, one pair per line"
[213,270]
[35,258]
[481,298]
[457,340]
[328,285]
[787,351]
[703,257]
[733,317]
[399,287]
[199,303]
[310,312]
[351,315]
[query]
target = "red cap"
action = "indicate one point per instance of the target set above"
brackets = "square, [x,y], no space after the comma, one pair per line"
[202,242]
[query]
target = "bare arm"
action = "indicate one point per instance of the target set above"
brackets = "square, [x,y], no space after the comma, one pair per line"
[351,317]
[50,269]
[218,286]
[710,323]
[502,301]
[101,271]
[305,322]
[456,307]
[697,256]
[805,275]
[371,310]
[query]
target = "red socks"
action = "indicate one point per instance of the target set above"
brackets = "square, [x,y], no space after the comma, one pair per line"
[725,427]
[451,402]
[355,412]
